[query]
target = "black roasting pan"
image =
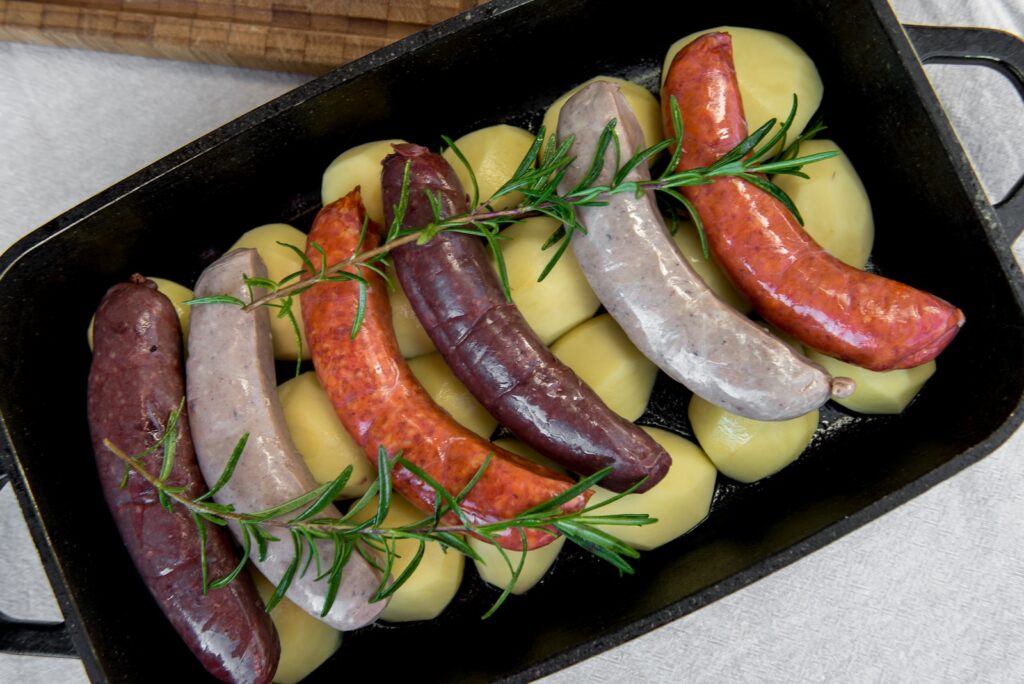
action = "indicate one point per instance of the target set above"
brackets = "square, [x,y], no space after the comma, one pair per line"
[504,63]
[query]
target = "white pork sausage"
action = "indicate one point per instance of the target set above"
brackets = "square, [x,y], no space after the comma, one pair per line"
[632,264]
[232,391]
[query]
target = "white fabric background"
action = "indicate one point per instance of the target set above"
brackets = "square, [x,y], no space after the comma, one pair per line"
[931,592]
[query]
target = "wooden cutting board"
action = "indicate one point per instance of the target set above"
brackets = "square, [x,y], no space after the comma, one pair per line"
[305,36]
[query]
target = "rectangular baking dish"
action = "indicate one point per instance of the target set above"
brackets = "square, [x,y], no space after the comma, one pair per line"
[504,63]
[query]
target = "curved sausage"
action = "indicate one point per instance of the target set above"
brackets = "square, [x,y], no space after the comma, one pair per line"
[381,404]
[793,283]
[664,307]
[232,392]
[493,350]
[135,383]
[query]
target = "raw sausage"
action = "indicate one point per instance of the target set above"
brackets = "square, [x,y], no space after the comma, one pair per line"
[381,404]
[664,307]
[231,392]
[793,283]
[135,383]
[490,347]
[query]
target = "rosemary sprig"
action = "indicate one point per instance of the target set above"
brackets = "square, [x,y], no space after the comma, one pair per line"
[301,518]
[538,180]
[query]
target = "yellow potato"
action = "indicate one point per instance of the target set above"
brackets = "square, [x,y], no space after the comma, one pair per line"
[435,580]
[305,641]
[833,203]
[494,153]
[679,502]
[746,449]
[281,262]
[449,392]
[563,299]
[178,294]
[644,105]
[877,392]
[494,570]
[325,445]
[688,242]
[359,165]
[604,358]
[413,340]
[770,69]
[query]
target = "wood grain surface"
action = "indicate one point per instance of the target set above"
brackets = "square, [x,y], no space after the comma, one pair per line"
[303,36]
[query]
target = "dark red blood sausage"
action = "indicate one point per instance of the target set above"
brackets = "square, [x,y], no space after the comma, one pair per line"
[491,348]
[381,403]
[135,383]
[793,283]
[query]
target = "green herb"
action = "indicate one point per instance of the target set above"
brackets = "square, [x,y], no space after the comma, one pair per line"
[301,519]
[538,180]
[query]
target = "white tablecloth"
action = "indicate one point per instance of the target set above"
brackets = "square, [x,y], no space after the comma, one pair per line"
[933,591]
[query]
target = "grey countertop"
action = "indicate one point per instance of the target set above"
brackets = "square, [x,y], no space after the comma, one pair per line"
[932,591]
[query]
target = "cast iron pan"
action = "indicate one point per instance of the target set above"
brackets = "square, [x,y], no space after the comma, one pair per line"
[170,219]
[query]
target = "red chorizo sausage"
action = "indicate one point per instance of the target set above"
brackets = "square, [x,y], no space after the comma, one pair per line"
[491,348]
[381,404]
[793,283]
[135,382]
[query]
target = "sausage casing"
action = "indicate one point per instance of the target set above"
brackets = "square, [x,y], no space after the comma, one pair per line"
[135,383]
[381,404]
[793,283]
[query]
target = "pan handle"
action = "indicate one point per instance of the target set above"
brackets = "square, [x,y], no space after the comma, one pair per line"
[33,637]
[999,50]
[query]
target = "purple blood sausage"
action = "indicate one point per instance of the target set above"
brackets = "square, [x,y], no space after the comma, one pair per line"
[135,383]
[490,347]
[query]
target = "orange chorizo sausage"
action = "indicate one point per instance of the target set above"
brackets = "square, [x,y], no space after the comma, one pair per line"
[381,403]
[792,282]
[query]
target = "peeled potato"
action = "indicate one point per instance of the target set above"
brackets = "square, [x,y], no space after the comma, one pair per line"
[833,203]
[746,449]
[494,153]
[559,302]
[877,392]
[325,445]
[281,261]
[494,570]
[770,69]
[359,165]
[446,389]
[644,105]
[178,294]
[688,242]
[305,641]
[434,582]
[413,340]
[604,358]
[679,502]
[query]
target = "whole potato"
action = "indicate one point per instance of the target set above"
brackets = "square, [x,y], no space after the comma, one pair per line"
[885,392]
[359,165]
[494,153]
[770,69]
[833,204]
[746,449]
[280,261]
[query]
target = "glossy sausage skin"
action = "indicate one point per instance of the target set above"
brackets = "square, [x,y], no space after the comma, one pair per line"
[673,318]
[490,347]
[135,383]
[793,283]
[232,391]
[381,404]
